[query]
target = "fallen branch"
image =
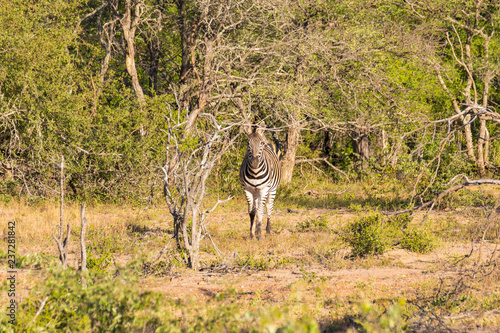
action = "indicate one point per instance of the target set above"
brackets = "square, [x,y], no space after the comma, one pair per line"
[432,202]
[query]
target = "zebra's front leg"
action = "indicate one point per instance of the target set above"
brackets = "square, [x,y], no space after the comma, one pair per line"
[269,209]
[251,212]
[252,223]
[260,203]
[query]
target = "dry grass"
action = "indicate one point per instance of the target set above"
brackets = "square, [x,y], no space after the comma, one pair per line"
[304,265]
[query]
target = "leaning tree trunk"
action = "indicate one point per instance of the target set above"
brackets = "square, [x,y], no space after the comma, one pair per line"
[288,161]
[129,25]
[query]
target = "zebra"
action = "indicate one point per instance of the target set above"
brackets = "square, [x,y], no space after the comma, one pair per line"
[260,174]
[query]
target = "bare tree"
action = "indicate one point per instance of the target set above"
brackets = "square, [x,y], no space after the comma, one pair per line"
[188,164]
[472,112]
[225,49]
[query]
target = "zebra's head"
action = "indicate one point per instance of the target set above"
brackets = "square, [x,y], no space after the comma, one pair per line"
[256,142]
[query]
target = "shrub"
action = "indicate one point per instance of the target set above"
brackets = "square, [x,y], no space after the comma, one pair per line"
[102,250]
[374,319]
[115,303]
[418,240]
[102,303]
[366,235]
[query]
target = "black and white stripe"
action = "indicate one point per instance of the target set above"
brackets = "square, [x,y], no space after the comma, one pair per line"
[260,175]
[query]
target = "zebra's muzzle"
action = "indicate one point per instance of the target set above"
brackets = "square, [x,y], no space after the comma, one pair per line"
[254,162]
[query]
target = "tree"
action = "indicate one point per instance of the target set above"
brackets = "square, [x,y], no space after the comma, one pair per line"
[468,32]
[188,164]
[36,83]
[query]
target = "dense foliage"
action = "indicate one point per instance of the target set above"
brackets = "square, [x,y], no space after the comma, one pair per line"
[347,81]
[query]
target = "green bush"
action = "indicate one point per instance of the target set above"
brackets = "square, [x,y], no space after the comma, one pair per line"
[375,319]
[366,235]
[100,304]
[400,221]
[418,240]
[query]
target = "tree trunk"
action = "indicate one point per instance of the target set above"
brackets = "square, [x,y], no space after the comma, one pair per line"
[203,87]
[361,147]
[288,161]
[482,142]
[327,143]
[185,44]
[468,100]
[468,138]
[107,36]
[480,147]
[486,147]
[129,26]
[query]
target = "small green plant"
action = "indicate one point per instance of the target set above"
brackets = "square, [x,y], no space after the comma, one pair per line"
[312,277]
[99,262]
[400,221]
[418,240]
[376,320]
[313,225]
[366,235]
[101,251]
[263,264]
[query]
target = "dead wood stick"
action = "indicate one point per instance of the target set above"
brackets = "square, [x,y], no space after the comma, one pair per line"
[62,244]
[42,305]
[217,250]
[61,187]
[83,247]
[164,248]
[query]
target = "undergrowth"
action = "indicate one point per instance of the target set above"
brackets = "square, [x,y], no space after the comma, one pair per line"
[115,303]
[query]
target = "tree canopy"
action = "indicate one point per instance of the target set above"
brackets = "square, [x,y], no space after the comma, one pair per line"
[359,83]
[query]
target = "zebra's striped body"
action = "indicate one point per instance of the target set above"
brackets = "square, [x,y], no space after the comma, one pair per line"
[260,174]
